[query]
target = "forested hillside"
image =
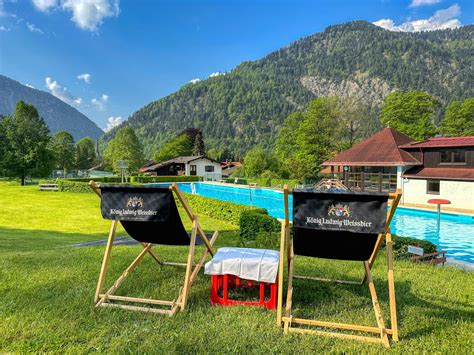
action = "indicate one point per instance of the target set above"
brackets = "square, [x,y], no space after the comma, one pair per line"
[248,105]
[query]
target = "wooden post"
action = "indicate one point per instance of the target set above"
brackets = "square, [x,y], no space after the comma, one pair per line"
[105,261]
[189,266]
[362,180]
[375,302]
[380,181]
[280,273]
[391,288]
[289,295]
[346,178]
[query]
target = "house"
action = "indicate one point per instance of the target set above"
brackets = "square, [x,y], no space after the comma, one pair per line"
[447,172]
[202,166]
[390,160]
[229,167]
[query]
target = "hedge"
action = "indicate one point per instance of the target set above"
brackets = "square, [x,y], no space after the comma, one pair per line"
[222,210]
[73,186]
[400,246]
[266,182]
[258,229]
[103,179]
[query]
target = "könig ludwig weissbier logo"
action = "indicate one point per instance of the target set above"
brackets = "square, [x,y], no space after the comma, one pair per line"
[339,210]
[135,202]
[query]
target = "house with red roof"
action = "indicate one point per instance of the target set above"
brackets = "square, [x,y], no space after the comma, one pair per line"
[390,160]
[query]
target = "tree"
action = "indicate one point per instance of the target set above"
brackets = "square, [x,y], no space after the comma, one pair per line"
[459,119]
[62,146]
[307,138]
[85,153]
[412,113]
[199,147]
[125,146]
[25,144]
[354,120]
[215,154]
[181,145]
[257,160]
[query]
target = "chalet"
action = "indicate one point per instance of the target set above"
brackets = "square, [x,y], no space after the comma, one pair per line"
[202,166]
[437,167]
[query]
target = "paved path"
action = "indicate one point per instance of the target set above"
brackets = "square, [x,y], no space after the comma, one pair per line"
[117,241]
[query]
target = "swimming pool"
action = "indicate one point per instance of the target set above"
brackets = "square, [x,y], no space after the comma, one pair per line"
[455,233]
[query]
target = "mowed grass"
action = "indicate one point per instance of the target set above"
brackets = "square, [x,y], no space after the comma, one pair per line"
[47,288]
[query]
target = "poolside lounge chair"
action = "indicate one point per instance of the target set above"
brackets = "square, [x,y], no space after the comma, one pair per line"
[149,215]
[343,226]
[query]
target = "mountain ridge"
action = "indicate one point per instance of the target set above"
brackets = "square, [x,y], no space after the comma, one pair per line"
[246,106]
[57,114]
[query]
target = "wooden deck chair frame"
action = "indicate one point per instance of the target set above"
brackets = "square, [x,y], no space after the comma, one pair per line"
[287,319]
[106,299]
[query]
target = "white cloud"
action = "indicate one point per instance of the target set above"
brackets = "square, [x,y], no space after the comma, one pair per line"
[416,3]
[194,81]
[442,19]
[99,104]
[62,93]
[4,29]
[113,122]
[45,5]
[217,73]
[33,28]
[86,77]
[30,86]
[86,14]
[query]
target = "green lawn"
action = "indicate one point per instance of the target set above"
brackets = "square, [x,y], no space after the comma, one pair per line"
[47,288]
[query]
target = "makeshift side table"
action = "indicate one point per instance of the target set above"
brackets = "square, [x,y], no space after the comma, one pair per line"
[244,268]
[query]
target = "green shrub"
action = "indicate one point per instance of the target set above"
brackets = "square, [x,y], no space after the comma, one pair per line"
[222,210]
[400,246]
[280,182]
[101,179]
[73,186]
[259,229]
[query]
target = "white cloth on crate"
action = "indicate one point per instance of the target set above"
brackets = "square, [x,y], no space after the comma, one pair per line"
[246,263]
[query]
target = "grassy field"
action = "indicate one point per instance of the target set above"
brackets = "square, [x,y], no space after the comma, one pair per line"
[47,287]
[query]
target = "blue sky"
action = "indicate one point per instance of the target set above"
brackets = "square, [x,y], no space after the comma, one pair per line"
[108,58]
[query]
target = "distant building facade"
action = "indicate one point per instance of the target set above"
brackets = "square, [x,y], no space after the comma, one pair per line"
[390,160]
[208,169]
[447,171]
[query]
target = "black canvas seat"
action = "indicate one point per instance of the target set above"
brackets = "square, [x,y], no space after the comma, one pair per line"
[339,225]
[149,214]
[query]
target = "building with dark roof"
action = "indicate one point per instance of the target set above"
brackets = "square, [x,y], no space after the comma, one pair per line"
[388,160]
[202,166]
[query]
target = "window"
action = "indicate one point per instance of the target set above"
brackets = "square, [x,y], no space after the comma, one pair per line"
[432,187]
[209,168]
[193,170]
[453,157]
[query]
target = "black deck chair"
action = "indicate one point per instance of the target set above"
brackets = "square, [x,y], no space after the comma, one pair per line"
[340,225]
[149,215]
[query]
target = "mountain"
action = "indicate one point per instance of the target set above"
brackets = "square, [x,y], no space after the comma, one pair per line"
[57,114]
[247,106]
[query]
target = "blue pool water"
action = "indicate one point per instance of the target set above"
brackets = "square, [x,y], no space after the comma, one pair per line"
[455,233]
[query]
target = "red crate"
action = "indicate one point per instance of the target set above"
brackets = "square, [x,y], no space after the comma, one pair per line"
[222,283]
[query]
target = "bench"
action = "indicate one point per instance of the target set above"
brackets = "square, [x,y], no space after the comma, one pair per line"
[48,187]
[431,258]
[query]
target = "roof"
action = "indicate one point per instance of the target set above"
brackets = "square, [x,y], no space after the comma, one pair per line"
[381,149]
[441,142]
[440,173]
[177,160]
